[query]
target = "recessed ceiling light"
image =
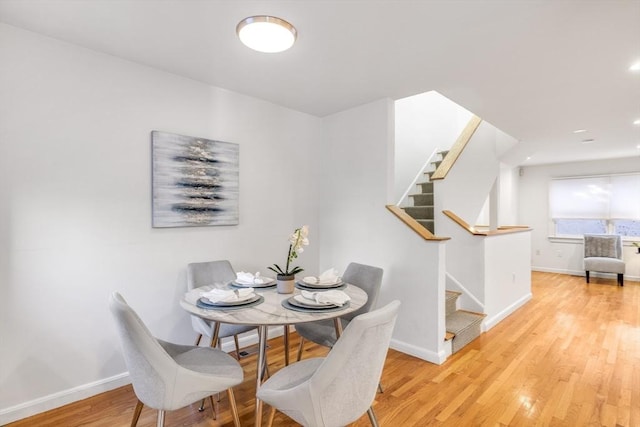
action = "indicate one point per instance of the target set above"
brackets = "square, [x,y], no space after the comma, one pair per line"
[635,66]
[588,141]
[579,130]
[266,33]
[636,122]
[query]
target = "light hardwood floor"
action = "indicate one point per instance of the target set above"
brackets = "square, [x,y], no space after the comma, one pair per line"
[569,357]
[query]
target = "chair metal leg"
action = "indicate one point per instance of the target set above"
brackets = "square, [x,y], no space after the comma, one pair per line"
[372,417]
[380,389]
[272,414]
[234,407]
[621,279]
[300,347]
[587,275]
[201,408]
[213,408]
[198,339]
[286,345]
[214,335]
[136,413]
[160,418]
[237,343]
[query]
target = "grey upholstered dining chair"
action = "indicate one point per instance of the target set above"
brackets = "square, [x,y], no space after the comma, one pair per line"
[168,376]
[603,253]
[340,388]
[207,273]
[323,332]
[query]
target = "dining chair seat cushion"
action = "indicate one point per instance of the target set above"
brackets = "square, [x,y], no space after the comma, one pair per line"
[204,360]
[321,332]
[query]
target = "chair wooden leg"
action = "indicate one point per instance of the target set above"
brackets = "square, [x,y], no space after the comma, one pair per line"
[372,417]
[272,414]
[234,407]
[136,413]
[160,418]
[198,339]
[300,347]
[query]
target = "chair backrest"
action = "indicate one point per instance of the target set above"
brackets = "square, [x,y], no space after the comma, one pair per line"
[208,273]
[603,245]
[151,369]
[367,278]
[345,384]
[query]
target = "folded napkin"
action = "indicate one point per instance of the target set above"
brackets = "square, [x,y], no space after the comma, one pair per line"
[329,277]
[228,295]
[332,297]
[249,279]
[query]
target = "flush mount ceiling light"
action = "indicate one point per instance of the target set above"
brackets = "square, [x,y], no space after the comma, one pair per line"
[266,33]
[635,66]
[636,122]
[579,131]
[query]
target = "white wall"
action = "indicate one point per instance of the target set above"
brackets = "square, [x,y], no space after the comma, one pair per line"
[75,208]
[564,256]
[355,226]
[424,123]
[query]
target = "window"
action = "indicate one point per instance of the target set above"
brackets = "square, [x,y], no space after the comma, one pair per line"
[595,205]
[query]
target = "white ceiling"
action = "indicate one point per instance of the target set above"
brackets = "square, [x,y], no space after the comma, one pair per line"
[537,69]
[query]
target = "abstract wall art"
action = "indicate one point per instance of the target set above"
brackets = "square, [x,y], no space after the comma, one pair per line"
[195,181]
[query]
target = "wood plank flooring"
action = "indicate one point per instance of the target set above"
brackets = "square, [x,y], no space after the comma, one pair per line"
[569,357]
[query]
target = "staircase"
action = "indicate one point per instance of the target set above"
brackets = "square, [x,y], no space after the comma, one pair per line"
[422,209]
[462,326]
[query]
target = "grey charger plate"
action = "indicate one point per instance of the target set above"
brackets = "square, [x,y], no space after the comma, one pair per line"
[250,303]
[286,304]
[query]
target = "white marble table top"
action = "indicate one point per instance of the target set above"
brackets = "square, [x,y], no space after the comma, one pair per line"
[271,311]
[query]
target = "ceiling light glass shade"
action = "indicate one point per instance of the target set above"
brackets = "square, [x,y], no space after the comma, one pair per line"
[266,33]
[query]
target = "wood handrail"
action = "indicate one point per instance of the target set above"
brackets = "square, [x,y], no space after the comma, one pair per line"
[509,229]
[413,224]
[456,149]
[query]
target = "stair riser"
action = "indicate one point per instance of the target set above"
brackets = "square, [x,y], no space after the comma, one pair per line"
[422,199]
[450,306]
[420,212]
[426,187]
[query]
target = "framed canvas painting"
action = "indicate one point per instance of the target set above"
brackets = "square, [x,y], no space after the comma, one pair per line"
[195,181]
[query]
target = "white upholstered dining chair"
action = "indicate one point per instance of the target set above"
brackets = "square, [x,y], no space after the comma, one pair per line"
[168,376]
[323,332]
[207,273]
[338,389]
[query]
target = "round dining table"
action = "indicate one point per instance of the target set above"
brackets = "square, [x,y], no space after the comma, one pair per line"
[272,310]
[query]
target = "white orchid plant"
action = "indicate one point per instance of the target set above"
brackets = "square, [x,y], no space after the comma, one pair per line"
[297,240]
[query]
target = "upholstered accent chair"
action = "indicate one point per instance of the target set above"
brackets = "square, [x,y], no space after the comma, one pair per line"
[323,332]
[338,389]
[603,253]
[168,376]
[207,273]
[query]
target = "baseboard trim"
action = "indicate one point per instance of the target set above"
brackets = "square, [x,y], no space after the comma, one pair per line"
[581,273]
[419,352]
[61,398]
[492,321]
